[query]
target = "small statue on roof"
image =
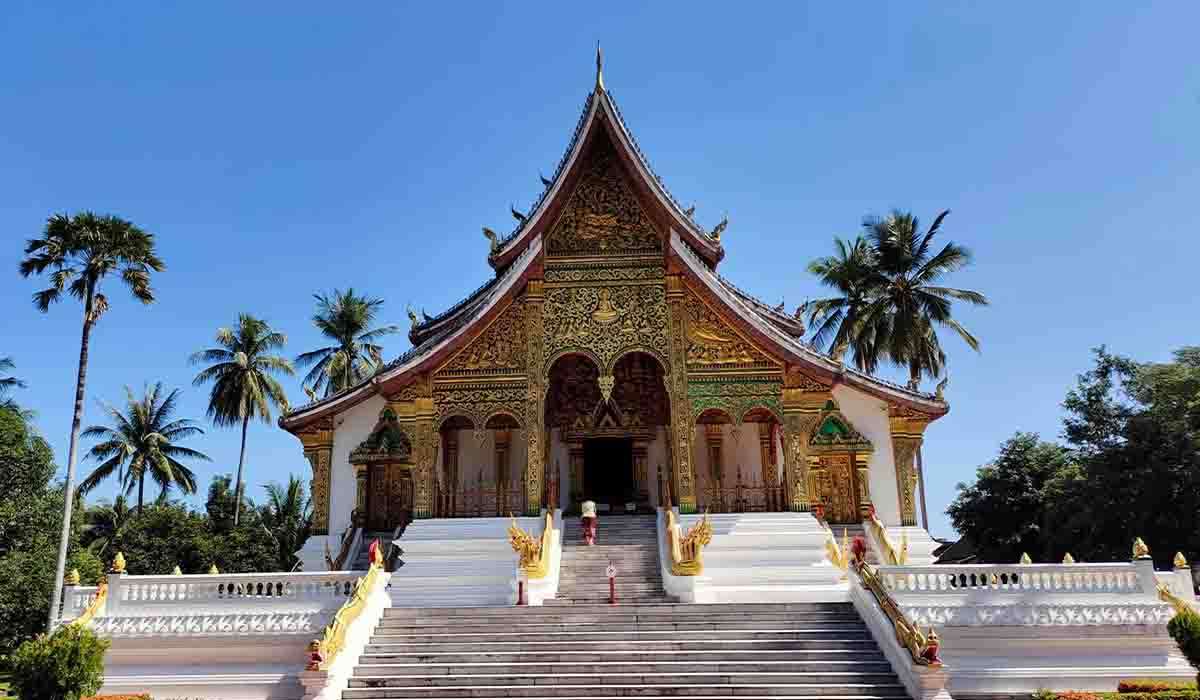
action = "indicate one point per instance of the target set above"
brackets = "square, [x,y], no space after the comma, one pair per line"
[491,236]
[689,211]
[412,317]
[716,232]
[516,214]
[545,182]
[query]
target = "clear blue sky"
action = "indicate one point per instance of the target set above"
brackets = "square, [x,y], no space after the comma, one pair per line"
[279,149]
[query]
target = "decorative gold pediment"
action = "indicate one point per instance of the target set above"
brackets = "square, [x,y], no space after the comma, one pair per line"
[387,442]
[835,433]
[712,341]
[500,348]
[603,216]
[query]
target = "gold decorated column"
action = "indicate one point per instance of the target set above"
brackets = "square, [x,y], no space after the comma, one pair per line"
[360,496]
[318,450]
[684,480]
[535,395]
[802,401]
[766,462]
[908,429]
[425,449]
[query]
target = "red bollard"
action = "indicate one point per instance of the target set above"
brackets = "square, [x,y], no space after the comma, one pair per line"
[521,592]
[612,584]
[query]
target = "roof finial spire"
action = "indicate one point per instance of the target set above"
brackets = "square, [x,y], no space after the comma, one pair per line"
[599,67]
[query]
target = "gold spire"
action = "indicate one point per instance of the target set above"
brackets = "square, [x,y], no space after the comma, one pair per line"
[599,68]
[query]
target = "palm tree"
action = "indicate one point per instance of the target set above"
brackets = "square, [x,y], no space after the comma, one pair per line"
[7,384]
[105,522]
[144,441]
[909,304]
[286,515]
[81,252]
[354,355]
[851,272]
[244,385]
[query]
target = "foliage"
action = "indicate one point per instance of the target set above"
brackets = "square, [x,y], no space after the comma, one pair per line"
[1004,512]
[7,384]
[104,521]
[1088,695]
[345,319]
[1152,685]
[287,516]
[26,468]
[890,301]
[144,441]
[61,666]
[1184,628]
[242,372]
[1130,468]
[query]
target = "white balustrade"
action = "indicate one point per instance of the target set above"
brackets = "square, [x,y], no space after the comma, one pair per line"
[76,599]
[1115,579]
[182,595]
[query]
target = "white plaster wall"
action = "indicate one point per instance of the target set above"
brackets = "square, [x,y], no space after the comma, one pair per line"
[869,416]
[739,446]
[350,428]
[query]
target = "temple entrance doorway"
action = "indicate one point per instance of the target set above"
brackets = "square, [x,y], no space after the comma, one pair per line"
[608,473]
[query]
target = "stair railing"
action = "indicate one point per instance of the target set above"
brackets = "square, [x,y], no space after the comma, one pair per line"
[888,553]
[351,541]
[323,652]
[922,647]
[686,550]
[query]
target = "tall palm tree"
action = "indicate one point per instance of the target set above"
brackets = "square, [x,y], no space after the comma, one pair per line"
[286,515]
[81,252]
[7,384]
[244,385]
[143,442]
[835,320]
[346,319]
[105,523]
[910,304]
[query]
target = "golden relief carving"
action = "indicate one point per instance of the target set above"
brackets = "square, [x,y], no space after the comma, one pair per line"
[478,402]
[711,341]
[606,321]
[603,216]
[418,389]
[586,273]
[537,347]
[500,347]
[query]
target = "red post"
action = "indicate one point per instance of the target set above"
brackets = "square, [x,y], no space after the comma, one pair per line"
[612,583]
[521,592]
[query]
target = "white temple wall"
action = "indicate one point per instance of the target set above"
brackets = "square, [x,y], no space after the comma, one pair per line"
[869,416]
[739,446]
[351,427]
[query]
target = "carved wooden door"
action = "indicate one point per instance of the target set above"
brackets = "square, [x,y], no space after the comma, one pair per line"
[843,499]
[390,498]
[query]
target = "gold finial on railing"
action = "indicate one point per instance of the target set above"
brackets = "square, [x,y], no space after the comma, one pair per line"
[1140,550]
[686,558]
[533,554]
[1180,561]
[1025,558]
[72,578]
[213,570]
[118,565]
[177,571]
[1068,559]
[322,652]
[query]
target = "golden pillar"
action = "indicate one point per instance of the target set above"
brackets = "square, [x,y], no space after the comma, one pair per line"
[766,461]
[802,402]
[908,429]
[425,449]
[450,459]
[535,395]
[681,407]
[360,495]
[318,450]
[500,441]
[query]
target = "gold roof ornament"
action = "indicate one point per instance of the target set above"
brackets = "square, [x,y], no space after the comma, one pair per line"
[1140,550]
[72,578]
[213,570]
[599,68]
[118,565]
[1180,561]
[1025,558]
[176,571]
[1068,559]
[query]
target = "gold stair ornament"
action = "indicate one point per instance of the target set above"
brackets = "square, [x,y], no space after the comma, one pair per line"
[1025,558]
[1140,550]
[72,578]
[1180,561]
[213,570]
[533,554]
[118,565]
[686,559]
[922,647]
[1068,559]
[838,556]
[177,571]
[890,555]
[85,618]
[323,651]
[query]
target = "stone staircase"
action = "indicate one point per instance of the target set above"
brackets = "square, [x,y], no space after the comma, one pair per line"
[797,650]
[629,542]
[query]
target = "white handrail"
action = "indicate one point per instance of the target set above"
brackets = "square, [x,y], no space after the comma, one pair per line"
[942,579]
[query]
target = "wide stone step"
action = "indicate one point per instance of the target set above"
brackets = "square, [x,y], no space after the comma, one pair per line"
[835,651]
[587,615]
[678,610]
[397,645]
[811,690]
[570,634]
[878,665]
[560,680]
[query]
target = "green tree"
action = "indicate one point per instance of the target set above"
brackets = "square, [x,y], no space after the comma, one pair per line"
[890,299]
[66,665]
[104,523]
[7,384]
[345,319]
[1005,511]
[286,514]
[144,441]
[80,253]
[243,377]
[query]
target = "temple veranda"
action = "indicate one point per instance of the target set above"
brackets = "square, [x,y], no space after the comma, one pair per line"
[731,463]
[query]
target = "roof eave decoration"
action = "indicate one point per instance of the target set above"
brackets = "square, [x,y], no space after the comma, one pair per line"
[386,443]
[835,433]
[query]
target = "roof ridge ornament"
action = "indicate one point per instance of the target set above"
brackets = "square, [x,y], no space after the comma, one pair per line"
[599,68]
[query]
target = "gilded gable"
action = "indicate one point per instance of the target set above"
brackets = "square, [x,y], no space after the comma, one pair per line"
[603,216]
[713,342]
[500,349]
